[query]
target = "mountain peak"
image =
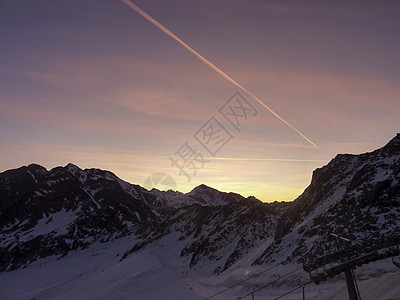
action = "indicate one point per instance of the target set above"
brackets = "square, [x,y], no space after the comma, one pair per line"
[71,166]
[74,169]
[393,146]
[202,187]
[36,168]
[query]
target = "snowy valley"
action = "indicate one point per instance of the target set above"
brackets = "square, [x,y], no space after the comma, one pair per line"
[69,233]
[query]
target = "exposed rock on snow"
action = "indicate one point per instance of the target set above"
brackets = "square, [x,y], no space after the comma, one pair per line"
[61,212]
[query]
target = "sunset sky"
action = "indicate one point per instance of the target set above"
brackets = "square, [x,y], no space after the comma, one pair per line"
[96,84]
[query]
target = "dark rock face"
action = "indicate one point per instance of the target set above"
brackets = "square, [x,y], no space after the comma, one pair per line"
[52,212]
[45,213]
[356,196]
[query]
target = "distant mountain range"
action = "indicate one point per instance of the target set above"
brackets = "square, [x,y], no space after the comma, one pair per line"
[51,213]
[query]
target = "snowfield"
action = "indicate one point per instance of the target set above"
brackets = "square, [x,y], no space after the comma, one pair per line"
[70,233]
[158,272]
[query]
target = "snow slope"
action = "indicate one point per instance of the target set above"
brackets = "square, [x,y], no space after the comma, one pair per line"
[97,273]
[158,272]
[70,233]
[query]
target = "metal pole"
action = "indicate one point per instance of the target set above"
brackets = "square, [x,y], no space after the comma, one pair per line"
[304,294]
[350,282]
[252,295]
[351,287]
[355,283]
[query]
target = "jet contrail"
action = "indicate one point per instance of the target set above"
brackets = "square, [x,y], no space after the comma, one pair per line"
[208,63]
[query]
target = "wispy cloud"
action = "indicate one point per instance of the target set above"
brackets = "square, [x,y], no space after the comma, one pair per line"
[60,78]
[265,159]
[307,8]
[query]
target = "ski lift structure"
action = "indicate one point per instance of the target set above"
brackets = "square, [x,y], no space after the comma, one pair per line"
[348,257]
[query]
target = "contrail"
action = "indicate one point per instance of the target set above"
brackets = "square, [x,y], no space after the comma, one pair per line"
[210,64]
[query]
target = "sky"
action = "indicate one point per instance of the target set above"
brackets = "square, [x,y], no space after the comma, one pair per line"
[96,84]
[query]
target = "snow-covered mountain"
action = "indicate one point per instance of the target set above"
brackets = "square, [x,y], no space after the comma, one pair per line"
[355,196]
[66,211]
[53,212]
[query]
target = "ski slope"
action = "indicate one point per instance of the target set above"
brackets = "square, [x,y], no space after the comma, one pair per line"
[158,272]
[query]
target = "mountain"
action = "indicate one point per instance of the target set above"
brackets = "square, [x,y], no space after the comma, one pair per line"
[202,195]
[66,211]
[355,196]
[53,212]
